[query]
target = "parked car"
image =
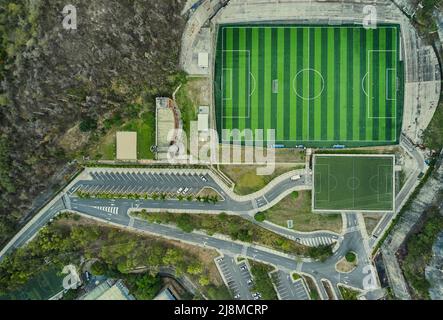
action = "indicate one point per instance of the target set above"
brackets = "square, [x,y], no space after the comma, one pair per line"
[180,190]
[204,178]
[296,177]
[186,190]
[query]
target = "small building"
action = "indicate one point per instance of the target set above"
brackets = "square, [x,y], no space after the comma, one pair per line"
[203,122]
[203,119]
[109,290]
[203,60]
[166,294]
[127,146]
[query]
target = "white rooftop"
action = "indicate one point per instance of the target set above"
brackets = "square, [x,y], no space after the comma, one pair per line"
[203,60]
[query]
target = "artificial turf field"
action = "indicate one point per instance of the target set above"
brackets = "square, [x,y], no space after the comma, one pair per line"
[315,85]
[350,182]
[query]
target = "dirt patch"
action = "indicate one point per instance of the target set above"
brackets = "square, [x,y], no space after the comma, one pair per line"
[73,139]
[344,266]
[371,221]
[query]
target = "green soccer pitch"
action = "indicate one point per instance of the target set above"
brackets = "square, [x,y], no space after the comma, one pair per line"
[315,85]
[350,183]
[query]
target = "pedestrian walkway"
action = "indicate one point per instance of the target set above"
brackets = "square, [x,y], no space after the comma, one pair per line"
[113,210]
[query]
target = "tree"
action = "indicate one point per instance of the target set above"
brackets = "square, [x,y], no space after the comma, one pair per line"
[195,268]
[147,286]
[260,216]
[204,280]
[88,124]
[185,222]
[172,257]
[99,268]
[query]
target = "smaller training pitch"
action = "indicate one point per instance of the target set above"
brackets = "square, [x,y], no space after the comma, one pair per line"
[351,182]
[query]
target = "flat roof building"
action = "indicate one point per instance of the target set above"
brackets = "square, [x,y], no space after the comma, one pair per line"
[127,146]
[203,60]
[109,290]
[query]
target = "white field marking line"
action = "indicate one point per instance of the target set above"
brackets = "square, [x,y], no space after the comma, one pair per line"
[394,70]
[371,81]
[322,81]
[363,84]
[230,82]
[249,85]
[386,184]
[251,76]
[329,182]
[353,190]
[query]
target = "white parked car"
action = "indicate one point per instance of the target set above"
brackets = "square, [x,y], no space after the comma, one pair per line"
[296,177]
[185,191]
[180,190]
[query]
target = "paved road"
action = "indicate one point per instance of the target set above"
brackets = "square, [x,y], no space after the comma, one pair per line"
[191,183]
[405,192]
[116,212]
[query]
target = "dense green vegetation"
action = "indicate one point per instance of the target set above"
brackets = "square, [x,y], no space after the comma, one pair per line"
[6,182]
[426,22]
[347,293]
[233,226]
[262,280]
[119,252]
[433,135]
[419,252]
[88,124]
[406,206]
[18,24]
[322,252]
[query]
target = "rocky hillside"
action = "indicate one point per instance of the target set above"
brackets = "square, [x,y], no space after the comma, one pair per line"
[123,52]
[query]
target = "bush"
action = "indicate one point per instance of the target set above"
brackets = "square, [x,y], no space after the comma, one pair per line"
[321,253]
[260,217]
[185,223]
[88,124]
[350,257]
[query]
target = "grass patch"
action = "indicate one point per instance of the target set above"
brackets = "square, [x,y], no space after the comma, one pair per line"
[187,99]
[371,221]
[296,276]
[145,128]
[262,280]
[297,207]
[246,179]
[348,293]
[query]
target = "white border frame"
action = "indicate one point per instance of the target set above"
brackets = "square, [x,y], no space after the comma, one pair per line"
[392,156]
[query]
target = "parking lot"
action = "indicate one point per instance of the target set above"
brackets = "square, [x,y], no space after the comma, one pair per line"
[288,289]
[125,183]
[236,277]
